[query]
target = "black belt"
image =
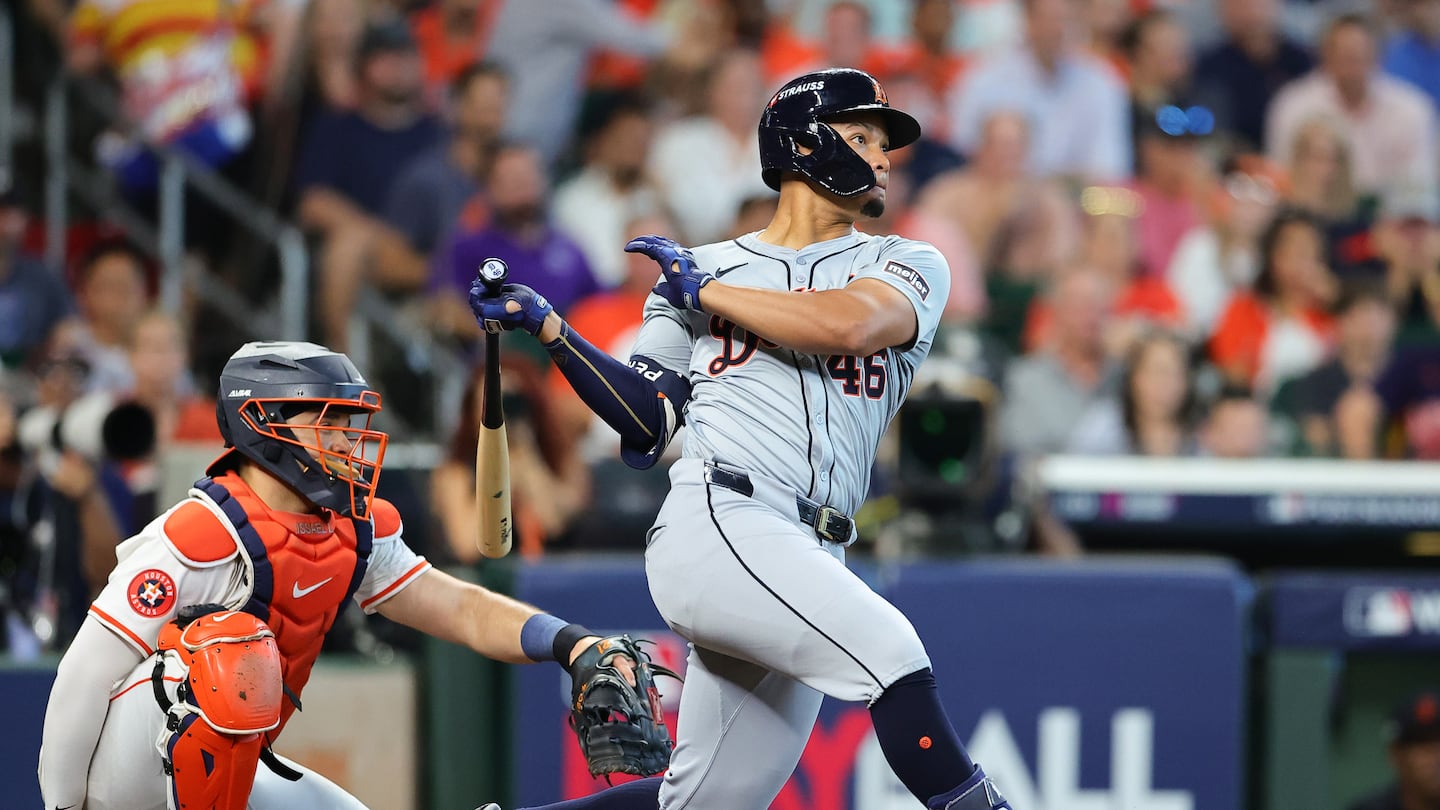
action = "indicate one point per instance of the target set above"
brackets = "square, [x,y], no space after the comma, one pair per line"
[829,523]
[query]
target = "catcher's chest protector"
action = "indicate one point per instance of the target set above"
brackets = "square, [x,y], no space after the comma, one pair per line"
[305,572]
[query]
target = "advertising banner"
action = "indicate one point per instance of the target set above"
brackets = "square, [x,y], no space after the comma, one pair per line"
[1355,611]
[1079,686]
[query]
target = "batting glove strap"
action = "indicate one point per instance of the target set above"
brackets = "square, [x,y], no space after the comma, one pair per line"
[492,310]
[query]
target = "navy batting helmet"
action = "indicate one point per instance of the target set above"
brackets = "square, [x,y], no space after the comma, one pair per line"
[796,116]
[302,413]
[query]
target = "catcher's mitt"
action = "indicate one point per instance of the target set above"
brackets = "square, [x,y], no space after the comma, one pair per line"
[621,727]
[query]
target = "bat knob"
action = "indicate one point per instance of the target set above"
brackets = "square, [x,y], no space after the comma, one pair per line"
[493,273]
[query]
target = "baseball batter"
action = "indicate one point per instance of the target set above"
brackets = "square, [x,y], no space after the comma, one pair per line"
[195,654]
[786,352]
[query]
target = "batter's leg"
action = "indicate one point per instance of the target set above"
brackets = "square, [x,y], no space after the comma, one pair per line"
[741,732]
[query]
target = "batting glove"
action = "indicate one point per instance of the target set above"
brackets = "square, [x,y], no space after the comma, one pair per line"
[683,278]
[495,314]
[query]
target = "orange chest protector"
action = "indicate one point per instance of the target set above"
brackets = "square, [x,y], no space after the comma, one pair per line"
[304,574]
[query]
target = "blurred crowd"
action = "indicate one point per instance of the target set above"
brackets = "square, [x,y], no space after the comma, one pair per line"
[1185,228]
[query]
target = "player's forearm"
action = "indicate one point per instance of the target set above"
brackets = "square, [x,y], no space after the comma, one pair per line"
[640,402]
[76,712]
[826,322]
[460,612]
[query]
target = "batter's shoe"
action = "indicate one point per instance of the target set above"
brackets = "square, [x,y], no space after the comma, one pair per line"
[976,793]
[490,806]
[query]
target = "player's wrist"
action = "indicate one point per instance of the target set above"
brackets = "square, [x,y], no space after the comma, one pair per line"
[571,641]
[550,328]
[549,638]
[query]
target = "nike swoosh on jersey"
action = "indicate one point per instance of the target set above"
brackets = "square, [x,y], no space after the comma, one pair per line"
[719,273]
[298,591]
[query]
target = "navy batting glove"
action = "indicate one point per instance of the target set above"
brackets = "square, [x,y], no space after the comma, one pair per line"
[493,312]
[683,278]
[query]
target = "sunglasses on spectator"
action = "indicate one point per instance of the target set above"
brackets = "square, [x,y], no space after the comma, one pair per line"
[1179,122]
[76,366]
[1251,188]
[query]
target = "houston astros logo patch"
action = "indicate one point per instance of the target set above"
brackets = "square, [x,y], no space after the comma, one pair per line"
[151,593]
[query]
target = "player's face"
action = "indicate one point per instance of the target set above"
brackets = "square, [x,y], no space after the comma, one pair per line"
[866,135]
[338,441]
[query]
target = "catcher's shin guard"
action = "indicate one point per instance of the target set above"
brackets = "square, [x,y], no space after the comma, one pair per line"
[231,696]
[209,769]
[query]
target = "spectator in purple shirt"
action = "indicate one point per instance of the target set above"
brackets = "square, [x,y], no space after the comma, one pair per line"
[519,231]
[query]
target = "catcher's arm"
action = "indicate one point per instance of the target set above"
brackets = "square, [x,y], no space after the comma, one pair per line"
[79,703]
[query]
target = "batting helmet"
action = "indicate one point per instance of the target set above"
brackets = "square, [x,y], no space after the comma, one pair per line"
[329,456]
[796,116]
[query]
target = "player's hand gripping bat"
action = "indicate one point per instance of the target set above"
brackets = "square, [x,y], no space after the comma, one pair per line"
[492,454]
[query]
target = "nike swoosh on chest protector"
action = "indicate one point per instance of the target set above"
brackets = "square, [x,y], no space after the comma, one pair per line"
[298,591]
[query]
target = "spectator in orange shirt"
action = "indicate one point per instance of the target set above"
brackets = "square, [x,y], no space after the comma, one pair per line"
[845,42]
[1281,329]
[1142,302]
[928,60]
[451,34]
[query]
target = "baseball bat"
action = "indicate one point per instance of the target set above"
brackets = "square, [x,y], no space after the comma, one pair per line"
[492,454]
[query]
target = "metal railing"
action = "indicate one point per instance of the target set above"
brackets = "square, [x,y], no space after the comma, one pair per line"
[7,87]
[286,316]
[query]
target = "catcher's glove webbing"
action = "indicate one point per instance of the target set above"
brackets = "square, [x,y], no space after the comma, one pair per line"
[621,727]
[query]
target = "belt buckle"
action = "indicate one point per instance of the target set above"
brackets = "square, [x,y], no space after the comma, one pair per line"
[822,524]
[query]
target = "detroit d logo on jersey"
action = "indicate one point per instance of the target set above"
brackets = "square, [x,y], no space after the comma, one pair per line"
[151,593]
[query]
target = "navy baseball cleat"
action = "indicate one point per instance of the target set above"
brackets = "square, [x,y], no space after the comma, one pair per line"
[977,793]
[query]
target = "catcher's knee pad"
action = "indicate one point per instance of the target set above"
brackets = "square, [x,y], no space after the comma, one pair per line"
[232,694]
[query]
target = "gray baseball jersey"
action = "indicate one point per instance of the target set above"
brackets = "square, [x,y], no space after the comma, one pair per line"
[813,422]
[775,618]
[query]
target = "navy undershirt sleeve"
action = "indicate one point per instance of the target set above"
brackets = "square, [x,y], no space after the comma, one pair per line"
[643,401]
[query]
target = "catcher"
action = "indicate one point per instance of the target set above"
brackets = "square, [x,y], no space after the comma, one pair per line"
[196,653]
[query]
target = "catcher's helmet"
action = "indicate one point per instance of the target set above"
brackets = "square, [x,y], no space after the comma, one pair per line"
[797,115]
[302,413]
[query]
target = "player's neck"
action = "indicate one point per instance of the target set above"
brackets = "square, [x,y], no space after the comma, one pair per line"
[271,492]
[803,217]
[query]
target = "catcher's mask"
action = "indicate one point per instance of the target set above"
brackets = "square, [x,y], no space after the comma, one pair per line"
[302,413]
[797,115]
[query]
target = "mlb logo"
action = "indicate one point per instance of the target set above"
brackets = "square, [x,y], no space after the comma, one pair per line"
[1379,612]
